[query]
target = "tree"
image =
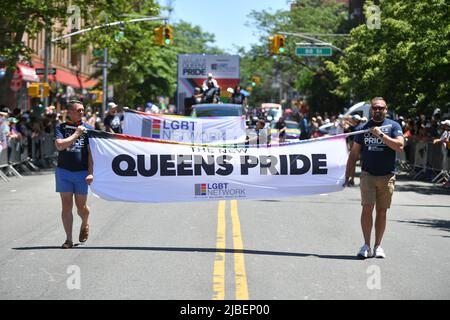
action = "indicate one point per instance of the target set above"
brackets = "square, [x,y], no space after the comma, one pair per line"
[18,17]
[306,76]
[143,71]
[407,60]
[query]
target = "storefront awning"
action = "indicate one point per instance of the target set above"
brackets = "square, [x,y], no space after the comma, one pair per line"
[26,73]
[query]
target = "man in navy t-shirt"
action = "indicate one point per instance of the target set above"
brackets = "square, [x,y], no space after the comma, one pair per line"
[377,149]
[74,171]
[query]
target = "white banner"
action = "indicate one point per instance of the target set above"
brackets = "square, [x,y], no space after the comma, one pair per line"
[138,170]
[218,130]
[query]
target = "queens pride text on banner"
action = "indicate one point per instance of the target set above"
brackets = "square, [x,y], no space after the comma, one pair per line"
[143,171]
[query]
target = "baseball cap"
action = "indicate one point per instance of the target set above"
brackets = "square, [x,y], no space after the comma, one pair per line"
[112,105]
[210,75]
[446,123]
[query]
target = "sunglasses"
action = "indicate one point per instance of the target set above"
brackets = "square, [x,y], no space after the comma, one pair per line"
[378,108]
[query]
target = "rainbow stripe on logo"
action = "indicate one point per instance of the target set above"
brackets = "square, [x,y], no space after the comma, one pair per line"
[200,189]
[156,129]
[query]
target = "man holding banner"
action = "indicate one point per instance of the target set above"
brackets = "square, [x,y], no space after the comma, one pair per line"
[74,171]
[378,149]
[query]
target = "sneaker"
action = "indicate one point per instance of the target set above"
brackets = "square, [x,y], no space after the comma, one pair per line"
[379,252]
[365,252]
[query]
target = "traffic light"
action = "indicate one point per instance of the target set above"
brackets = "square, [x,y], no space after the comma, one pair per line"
[159,36]
[256,81]
[164,36]
[96,96]
[272,45]
[33,90]
[168,37]
[281,43]
[46,90]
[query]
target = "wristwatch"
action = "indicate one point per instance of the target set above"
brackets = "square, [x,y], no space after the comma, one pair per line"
[381,135]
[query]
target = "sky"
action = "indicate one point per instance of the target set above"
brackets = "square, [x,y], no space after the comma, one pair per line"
[226,19]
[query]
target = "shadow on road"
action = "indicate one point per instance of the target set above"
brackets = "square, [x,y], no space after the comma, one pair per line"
[423,189]
[421,205]
[211,250]
[443,225]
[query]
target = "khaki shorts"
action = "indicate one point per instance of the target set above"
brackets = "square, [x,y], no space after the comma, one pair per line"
[377,190]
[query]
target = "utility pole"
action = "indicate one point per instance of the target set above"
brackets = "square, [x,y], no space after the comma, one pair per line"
[47,52]
[105,77]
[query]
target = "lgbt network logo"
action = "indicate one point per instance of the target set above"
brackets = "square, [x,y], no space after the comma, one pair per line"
[200,189]
[218,191]
[156,129]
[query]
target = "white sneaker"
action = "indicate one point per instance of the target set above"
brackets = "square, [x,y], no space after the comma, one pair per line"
[365,252]
[379,252]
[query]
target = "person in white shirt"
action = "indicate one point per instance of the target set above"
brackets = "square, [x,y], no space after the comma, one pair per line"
[210,83]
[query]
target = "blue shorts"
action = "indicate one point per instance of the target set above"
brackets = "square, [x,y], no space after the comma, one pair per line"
[71,181]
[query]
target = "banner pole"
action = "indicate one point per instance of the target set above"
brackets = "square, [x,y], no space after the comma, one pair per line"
[342,135]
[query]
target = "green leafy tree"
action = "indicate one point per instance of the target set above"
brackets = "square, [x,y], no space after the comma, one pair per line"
[26,16]
[406,60]
[307,77]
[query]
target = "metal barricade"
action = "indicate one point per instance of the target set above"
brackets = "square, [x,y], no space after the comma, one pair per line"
[402,163]
[440,158]
[43,150]
[431,159]
[49,151]
[420,157]
[3,161]
[14,156]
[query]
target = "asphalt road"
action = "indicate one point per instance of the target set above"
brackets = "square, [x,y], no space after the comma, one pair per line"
[294,248]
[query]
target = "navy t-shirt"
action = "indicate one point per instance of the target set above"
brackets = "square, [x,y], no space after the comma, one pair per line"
[376,157]
[114,122]
[75,157]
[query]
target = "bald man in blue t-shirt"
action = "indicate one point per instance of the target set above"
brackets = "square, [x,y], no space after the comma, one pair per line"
[378,149]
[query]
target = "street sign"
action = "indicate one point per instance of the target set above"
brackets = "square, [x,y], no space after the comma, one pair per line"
[103,65]
[97,52]
[41,71]
[313,51]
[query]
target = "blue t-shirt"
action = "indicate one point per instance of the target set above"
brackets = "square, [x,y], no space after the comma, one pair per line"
[376,157]
[75,157]
[114,122]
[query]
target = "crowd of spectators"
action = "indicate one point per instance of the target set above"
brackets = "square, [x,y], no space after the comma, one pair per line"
[19,128]
[25,126]
[418,128]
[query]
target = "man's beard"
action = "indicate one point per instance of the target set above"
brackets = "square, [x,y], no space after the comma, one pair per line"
[378,117]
